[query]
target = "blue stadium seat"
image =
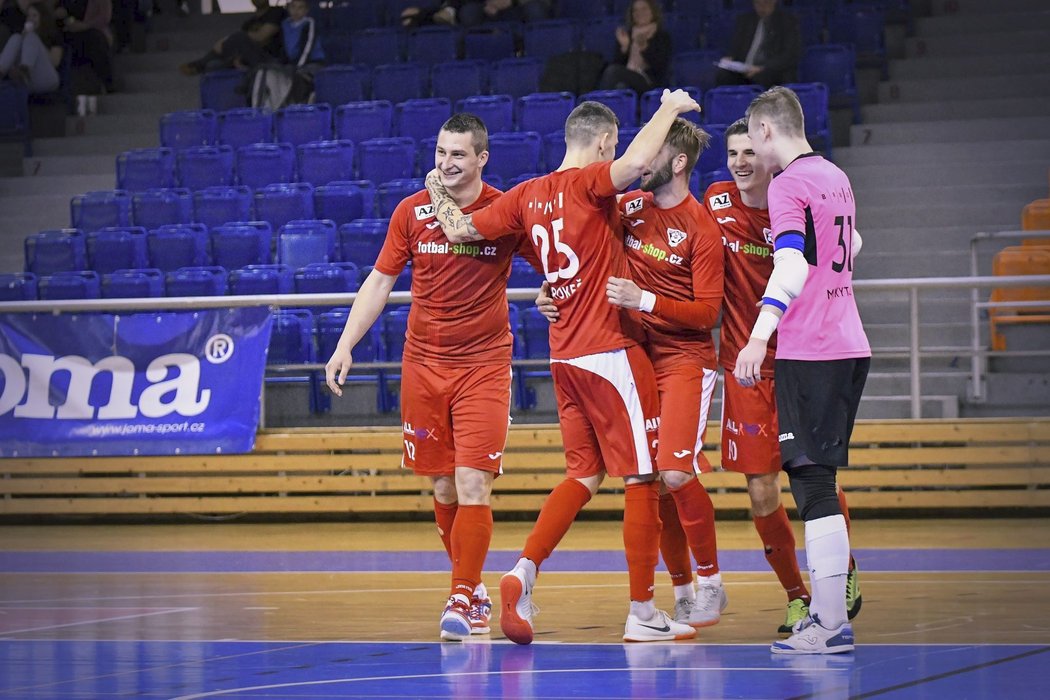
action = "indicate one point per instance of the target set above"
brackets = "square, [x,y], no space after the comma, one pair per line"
[598,34]
[145,168]
[261,164]
[685,27]
[397,82]
[626,135]
[389,194]
[377,46]
[241,243]
[493,180]
[209,281]
[583,9]
[835,66]
[515,181]
[489,42]
[360,241]
[291,340]
[392,327]
[14,115]
[718,32]
[433,44]
[403,283]
[178,245]
[426,153]
[262,279]
[56,250]
[516,76]
[154,208]
[535,333]
[304,241]
[84,284]
[523,276]
[188,128]
[240,127]
[18,286]
[117,248]
[360,121]
[714,156]
[298,124]
[142,283]
[220,90]
[382,160]
[651,103]
[814,99]
[368,197]
[511,154]
[544,112]
[811,21]
[321,162]
[497,111]
[547,38]
[623,103]
[862,26]
[337,49]
[327,278]
[705,180]
[341,201]
[696,68]
[337,85]
[421,119]
[280,203]
[553,149]
[217,205]
[205,166]
[344,15]
[330,326]
[727,103]
[458,79]
[95,210]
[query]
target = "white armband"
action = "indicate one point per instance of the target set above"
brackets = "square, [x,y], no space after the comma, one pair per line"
[765,324]
[648,302]
[790,271]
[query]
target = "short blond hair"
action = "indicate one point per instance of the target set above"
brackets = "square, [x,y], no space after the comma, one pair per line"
[779,105]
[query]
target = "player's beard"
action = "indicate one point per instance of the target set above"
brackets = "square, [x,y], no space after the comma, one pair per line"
[659,178]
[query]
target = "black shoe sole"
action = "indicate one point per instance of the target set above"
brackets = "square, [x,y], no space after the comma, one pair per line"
[855,610]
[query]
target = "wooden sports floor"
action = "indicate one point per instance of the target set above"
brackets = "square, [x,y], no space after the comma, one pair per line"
[952,609]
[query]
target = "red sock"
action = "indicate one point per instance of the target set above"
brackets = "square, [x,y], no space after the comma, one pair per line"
[445,517]
[556,516]
[641,536]
[471,535]
[845,514]
[779,541]
[673,545]
[697,515]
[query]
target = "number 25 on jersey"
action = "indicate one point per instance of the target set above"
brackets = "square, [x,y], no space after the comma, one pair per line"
[541,237]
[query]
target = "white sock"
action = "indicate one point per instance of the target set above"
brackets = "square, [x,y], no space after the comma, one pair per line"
[827,551]
[643,610]
[686,590]
[712,580]
[529,567]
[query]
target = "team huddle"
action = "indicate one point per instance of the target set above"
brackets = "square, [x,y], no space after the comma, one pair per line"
[634,285]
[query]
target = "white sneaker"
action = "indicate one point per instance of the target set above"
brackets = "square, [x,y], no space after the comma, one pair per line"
[480,611]
[516,608]
[683,608]
[661,628]
[455,620]
[711,600]
[811,637]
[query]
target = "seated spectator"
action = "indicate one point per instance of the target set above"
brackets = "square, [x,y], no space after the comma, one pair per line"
[33,56]
[85,26]
[645,50]
[471,13]
[12,17]
[302,56]
[415,16]
[258,41]
[767,43]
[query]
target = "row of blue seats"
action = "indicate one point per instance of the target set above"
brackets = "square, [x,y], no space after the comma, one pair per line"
[832,64]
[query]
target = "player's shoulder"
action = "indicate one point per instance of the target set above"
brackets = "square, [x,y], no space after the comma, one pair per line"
[489,194]
[721,195]
[635,202]
[416,206]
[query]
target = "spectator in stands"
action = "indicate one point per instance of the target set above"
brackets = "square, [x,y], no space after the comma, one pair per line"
[303,55]
[12,17]
[767,43]
[645,50]
[258,41]
[474,12]
[415,16]
[85,26]
[33,56]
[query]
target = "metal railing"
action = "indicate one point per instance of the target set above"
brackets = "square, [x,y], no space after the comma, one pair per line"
[911,286]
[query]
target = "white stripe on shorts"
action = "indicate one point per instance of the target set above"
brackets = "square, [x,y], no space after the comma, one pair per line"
[706,393]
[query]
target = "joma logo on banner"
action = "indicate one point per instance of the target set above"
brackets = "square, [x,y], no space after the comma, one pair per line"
[27,387]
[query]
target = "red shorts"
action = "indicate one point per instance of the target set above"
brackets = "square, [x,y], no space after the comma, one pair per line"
[750,443]
[454,417]
[608,408]
[685,400]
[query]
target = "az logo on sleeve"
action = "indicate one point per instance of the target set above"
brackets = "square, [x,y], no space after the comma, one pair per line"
[720,201]
[633,206]
[424,211]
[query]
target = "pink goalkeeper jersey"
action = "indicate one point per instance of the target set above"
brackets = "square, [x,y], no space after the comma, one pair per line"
[813,197]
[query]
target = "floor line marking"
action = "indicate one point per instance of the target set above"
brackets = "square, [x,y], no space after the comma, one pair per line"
[96,620]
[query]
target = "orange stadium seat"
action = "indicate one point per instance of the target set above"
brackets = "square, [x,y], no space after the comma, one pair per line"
[1019,260]
[1036,216]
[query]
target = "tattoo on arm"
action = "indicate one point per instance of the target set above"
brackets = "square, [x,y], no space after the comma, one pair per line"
[466,223]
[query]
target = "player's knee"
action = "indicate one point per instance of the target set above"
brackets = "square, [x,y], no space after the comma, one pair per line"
[764,490]
[445,489]
[591,483]
[676,479]
[473,486]
[815,491]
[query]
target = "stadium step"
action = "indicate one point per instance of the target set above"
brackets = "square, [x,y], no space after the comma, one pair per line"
[155,103]
[974,26]
[882,265]
[159,61]
[935,195]
[967,66]
[996,46]
[109,124]
[865,177]
[947,89]
[104,144]
[892,407]
[1033,106]
[983,7]
[95,164]
[896,383]
[982,216]
[890,306]
[948,154]
[23,186]
[166,82]
[898,335]
[963,130]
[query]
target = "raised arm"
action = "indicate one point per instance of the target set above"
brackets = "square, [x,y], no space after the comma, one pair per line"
[647,144]
[458,227]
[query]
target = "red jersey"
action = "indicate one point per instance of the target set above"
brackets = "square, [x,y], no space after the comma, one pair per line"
[676,254]
[459,291]
[570,217]
[748,243]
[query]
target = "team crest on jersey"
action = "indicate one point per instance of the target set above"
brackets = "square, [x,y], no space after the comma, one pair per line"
[424,211]
[635,205]
[674,237]
[720,201]
[768,235]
